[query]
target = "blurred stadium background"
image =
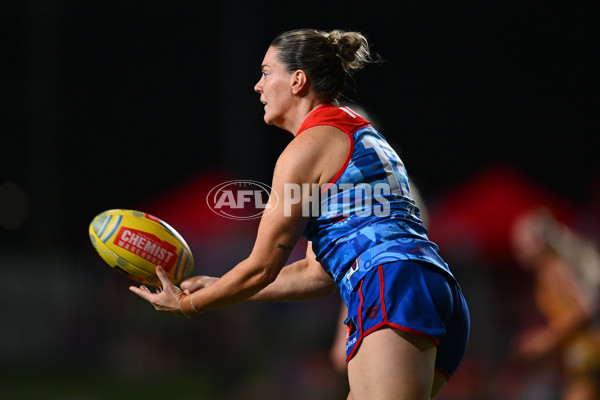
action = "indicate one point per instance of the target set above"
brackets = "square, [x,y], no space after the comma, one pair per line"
[146,105]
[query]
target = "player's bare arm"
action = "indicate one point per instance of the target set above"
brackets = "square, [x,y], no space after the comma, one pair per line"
[303,161]
[302,280]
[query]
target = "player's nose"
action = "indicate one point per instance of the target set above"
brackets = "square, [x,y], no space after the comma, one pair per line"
[258,86]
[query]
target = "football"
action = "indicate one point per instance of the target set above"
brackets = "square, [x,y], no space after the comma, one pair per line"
[134,243]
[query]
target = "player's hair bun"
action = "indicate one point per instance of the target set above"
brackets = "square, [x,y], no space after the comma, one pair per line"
[352,48]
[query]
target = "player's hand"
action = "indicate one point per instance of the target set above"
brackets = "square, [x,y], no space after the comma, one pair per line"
[195,283]
[166,298]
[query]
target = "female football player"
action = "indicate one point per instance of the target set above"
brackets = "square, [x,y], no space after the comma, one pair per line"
[347,192]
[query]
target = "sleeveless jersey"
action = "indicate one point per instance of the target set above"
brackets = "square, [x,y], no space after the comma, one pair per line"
[367,216]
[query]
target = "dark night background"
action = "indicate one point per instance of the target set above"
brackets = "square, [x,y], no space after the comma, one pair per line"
[116,104]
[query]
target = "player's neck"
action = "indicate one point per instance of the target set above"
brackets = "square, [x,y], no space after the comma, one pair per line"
[302,112]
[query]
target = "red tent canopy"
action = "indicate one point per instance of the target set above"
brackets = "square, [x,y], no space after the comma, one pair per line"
[477,215]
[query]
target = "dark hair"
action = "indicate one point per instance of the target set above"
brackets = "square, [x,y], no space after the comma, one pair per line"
[327,58]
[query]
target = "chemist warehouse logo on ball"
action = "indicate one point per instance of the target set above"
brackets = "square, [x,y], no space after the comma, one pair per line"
[244,200]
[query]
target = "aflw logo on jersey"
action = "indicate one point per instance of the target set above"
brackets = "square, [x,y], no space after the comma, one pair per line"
[241,199]
[147,246]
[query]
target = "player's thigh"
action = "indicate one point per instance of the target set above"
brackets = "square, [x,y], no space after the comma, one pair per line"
[392,364]
[439,380]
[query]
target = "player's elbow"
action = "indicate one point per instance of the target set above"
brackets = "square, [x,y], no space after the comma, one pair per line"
[266,275]
[264,270]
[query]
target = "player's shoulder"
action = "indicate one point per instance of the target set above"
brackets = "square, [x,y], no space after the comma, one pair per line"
[312,142]
[323,140]
[317,154]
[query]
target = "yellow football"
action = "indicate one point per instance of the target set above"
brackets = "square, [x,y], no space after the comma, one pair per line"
[134,243]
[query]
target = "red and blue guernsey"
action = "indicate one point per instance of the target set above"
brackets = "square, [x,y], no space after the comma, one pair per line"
[367,215]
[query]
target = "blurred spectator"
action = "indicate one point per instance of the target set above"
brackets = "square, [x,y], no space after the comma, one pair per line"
[566,276]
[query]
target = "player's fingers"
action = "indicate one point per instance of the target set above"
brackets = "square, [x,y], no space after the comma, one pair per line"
[187,284]
[162,275]
[144,294]
[196,283]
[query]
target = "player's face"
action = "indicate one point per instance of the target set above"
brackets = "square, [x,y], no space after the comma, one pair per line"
[275,90]
[527,244]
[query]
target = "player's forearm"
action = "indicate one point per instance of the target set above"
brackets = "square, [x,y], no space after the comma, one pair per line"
[236,286]
[297,281]
[252,281]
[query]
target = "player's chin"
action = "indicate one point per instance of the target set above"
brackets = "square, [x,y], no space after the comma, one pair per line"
[267,118]
[272,120]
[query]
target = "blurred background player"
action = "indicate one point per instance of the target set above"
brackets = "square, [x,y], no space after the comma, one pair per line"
[566,273]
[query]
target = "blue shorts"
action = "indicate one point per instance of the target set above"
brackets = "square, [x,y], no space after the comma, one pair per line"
[412,297]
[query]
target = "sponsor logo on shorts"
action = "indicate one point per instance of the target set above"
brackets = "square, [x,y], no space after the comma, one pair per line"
[351,343]
[350,328]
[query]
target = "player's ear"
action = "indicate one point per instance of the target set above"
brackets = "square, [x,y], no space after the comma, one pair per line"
[299,82]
